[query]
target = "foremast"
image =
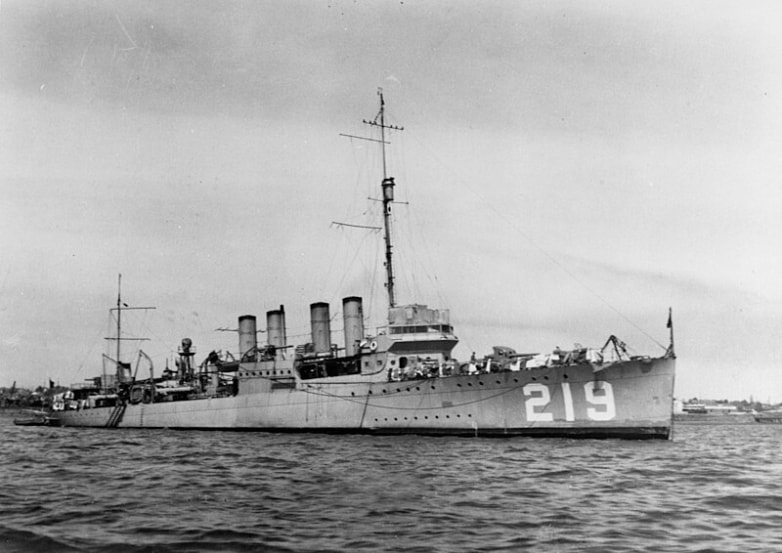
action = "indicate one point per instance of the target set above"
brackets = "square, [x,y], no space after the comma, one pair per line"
[411,322]
[388,196]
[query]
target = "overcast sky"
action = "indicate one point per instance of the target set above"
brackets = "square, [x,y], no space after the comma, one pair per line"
[571,170]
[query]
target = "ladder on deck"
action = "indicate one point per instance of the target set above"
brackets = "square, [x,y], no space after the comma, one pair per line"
[116,415]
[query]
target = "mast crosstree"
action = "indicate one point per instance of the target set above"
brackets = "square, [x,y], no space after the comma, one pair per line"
[388,195]
[121,306]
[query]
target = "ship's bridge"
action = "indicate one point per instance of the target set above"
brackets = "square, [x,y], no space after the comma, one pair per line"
[416,327]
[415,318]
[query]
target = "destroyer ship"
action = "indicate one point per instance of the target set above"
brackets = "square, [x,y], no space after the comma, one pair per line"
[401,379]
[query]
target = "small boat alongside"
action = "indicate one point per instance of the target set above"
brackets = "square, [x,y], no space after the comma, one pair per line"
[34,418]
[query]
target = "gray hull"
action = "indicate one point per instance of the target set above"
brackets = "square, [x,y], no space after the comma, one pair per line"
[631,399]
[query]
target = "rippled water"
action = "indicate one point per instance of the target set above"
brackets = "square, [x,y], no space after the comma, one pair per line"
[714,488]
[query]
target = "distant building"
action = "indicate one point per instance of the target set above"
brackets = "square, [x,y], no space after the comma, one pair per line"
[721,409]
[708,409]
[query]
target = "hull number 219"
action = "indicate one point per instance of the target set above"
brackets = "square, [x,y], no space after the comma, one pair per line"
[599,397]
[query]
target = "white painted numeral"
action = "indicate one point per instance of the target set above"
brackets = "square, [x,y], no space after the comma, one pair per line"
[605,399]
[540,397]
[567,397]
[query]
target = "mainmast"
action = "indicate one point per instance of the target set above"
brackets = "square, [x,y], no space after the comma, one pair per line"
[120,307]
[119,322]
[388,196]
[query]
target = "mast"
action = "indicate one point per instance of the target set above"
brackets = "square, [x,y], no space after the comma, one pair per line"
[670,352]
[119,323]
[388,196]
[120,307]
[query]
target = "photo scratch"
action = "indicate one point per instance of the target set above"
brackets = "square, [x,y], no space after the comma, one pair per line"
[124,30]
[84,55]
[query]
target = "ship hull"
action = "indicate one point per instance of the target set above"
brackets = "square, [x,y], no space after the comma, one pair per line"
[631,399]
[768,418]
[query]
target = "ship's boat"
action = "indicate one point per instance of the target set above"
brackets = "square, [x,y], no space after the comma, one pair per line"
[400,379]
[33,418]
[769,417]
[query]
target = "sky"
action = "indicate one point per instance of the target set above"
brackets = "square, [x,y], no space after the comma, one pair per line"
[567,171]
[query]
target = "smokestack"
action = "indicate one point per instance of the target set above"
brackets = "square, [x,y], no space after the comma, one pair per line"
[321,327]
[275,327]
[247,336]
[353,316]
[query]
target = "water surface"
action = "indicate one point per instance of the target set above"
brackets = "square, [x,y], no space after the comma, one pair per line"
[714,488]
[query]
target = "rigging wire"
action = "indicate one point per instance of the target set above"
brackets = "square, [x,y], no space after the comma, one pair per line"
[350,264]
[416,234]
[512,224]
[95,342]
[370,260]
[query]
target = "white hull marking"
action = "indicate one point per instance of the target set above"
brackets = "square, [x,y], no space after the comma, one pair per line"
[568,398]
[540,398]
[606,399]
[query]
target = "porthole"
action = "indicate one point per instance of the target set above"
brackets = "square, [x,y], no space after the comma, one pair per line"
[564,376]
[534,378]
[545,378]
[418,388]
[447,416]
[370,392]
[480,382]
[469,383]
[437,416]
[426,417]
[498,382]
[469,414]
[516,380]
[352,393]
[432,387]
[384,391]
[459,385]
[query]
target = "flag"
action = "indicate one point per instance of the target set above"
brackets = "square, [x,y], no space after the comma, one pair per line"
[51,383]
[670,320]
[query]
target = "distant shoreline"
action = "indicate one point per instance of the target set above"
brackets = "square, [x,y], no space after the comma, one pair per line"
[701,418]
